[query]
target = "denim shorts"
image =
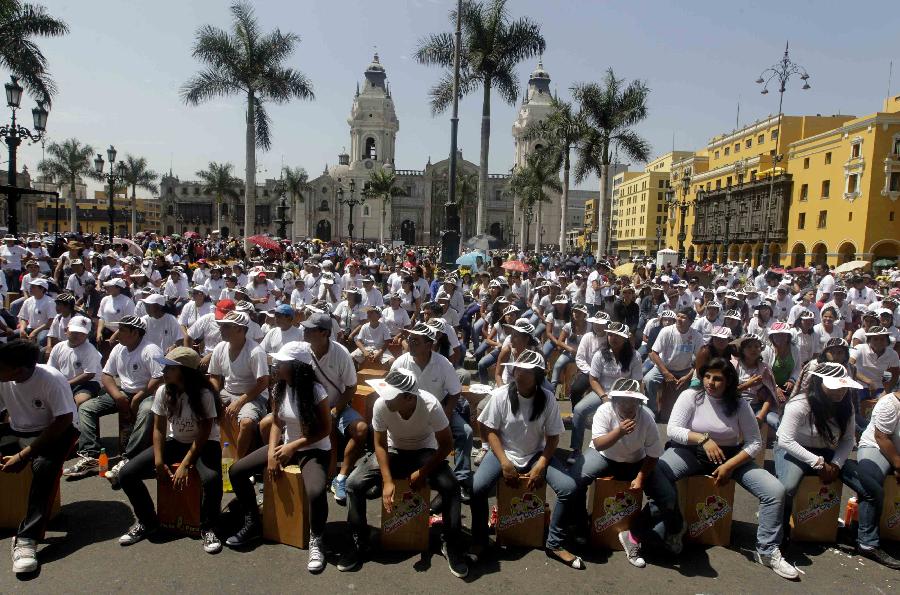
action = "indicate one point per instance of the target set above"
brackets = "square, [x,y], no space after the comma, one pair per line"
[347,418]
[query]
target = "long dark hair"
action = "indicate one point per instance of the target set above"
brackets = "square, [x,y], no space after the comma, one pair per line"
[303,380]
[626,354]
[539,399]
[731,398]
[195,383]
[823,409]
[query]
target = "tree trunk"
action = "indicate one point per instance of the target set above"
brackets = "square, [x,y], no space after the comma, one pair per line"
[483,160]
[73,212]
[537,228]
[602,215]
[523,235]
[250,175]
[133,211]
[564,203]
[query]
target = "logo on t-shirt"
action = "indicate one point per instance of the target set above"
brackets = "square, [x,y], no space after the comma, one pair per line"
[134,367]
[38,404]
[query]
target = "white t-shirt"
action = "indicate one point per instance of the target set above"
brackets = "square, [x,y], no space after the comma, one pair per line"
[293,430]
[336,365]
[395,320]
[242,373]
[374,337]
[59,326]
[206,329]
[522,439]
[36,312]
[608,371]
[190,313]
[414,433]
[276,337]
[438,378]
[12,257]
[677,350]
[113,309]
[176,290]
[76,361]
[163,331]
[183,425]
[873,366]
[886,419]
[134,368]
[214,288]
[75,284]
[642,442]
[35,403]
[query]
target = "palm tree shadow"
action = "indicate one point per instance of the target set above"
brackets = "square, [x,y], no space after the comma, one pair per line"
[85,523]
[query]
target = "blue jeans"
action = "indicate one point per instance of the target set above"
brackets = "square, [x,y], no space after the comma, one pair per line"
[89,414]
[485,363]
[559,367]
[489,472]
[664,518]
[462,444]
[866,476]
[476,332]
[548,349]
[588,467]
[790,472]
[582,415]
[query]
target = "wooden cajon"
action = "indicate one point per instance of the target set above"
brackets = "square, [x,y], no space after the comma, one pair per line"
[614,506]
[521,513]
[405,528]
[364,401]
[14,488]
[230,428]
[473,399]
[816,507]
[369,374]
[565,379]
[285,509]
[707,509]
[889,526]
[179,511]
[10,298]
[764,439]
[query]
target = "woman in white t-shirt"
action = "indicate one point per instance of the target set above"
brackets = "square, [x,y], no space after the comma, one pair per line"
[199,305]
[299,436]
[523,426]
[877,457]
[114,306]
[186,433]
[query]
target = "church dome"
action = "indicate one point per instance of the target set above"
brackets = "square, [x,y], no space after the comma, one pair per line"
[375,66]
[539,72]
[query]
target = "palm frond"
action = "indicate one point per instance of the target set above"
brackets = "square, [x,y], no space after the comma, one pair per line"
[207,85]
[436,50]
[284,84]
[19,54]
[262,123]
[442,92]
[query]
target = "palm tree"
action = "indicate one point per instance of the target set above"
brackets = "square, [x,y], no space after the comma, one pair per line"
[218,180]
[295,182]
[137,174]
[69,162]
[382,184]
[248,63]
[563,129]
[611,109]
[19,22]
[493,44]
[531,183]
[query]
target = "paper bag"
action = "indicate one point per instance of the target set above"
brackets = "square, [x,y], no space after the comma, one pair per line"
[405,528]
[521,512]
[707,509]
[179,510]
[285,510]
[614,505]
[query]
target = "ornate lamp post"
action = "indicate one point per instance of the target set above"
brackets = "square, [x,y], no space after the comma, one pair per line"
[351,201]
[13,134]
[726,241]
[682,205]
[116,173]
[659,231]
[781,72]
[528,214]
[281,210]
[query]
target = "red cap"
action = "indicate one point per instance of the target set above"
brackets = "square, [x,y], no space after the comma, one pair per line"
[261,276]
[223,307]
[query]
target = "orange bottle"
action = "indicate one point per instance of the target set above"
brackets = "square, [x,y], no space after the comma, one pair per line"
[851,513]
[103,462]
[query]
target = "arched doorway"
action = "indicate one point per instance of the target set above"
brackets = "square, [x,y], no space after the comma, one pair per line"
[496,230]
[746,252]
[757,259]
[224,231]
[704,252]
[408,232]
[798,255]
[820,253]
[885,249]
[775,254]
[323,230]
[714,254]
[846,253]
[734,252]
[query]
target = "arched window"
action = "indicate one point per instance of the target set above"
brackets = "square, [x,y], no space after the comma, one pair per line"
[370,149]
[366,210]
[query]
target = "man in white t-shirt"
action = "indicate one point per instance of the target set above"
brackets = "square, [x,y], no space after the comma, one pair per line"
[11,254]
[395,317]
[39,435]
[239,372]
[78,360]
[873,359]
[282,331]
[163,329]
[673,355]
[37,313]
[205,331]
[372,340]
[412,440]
[826,284]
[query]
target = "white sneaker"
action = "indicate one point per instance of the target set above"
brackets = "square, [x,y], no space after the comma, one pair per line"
[316,562]
[113,474]
[84,466]
[211,543]
[779,565]
[24,555]
[632,550]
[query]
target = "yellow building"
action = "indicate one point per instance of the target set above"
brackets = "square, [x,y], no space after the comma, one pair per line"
[846,185]
[93,214]
[588,241]
[639,207]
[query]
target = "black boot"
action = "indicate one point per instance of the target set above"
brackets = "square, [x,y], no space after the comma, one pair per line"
[249,533]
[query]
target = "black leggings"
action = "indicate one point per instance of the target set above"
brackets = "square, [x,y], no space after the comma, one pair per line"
[209,468]
[313,465]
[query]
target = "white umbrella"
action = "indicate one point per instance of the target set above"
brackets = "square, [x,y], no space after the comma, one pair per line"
[132,247]
[851,266]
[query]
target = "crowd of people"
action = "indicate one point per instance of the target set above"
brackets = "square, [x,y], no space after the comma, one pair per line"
[193,341]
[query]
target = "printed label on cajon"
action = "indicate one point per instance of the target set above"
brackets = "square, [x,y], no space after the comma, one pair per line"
[406,526]
[817,504]
[707,509]
[617,508]
[816,510]
[709,513]
[520,515]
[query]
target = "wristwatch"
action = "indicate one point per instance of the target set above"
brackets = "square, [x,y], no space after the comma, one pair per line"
[704,439]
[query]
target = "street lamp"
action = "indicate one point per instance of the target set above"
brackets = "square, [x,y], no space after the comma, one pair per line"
[351,201]
[727,221]
[281,210]
[659,231]
[682,205]
[14,134]
[116,172]
[528,214]
[781,72]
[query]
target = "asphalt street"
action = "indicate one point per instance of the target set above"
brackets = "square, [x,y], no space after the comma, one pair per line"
[81,554]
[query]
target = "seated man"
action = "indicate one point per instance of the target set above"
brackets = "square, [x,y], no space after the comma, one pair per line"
[282,330]
[163,329]
[132,362]
[78,360]
[673,355]
[372,340]
[37,312]
[412,440]
[40,434]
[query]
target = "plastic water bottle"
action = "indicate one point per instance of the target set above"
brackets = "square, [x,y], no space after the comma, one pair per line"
[103,462]
[227,461]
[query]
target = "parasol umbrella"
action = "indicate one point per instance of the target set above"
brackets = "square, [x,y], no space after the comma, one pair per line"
[264,242]
[626,269]
[468,259]
[851,266]
[798,270]
[515,265]
[132,247]
[884,263]
[175,236]
[483,241]
[191,235]
[409,265]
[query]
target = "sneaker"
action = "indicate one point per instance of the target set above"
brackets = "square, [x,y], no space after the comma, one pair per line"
[879,555]
[113,474]
[249,533]
[339,489]
[24,555]
[352,558]
[211,543]
[778,564]
[674,542]
[84,466]
[137,533]
[476,460]
[632,550]
[455,561]
[316,562]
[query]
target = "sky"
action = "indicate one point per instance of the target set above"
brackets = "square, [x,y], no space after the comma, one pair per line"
[120,68]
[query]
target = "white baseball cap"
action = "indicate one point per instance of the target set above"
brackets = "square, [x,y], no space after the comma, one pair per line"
[155,298]
[80,324]
[294,350]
